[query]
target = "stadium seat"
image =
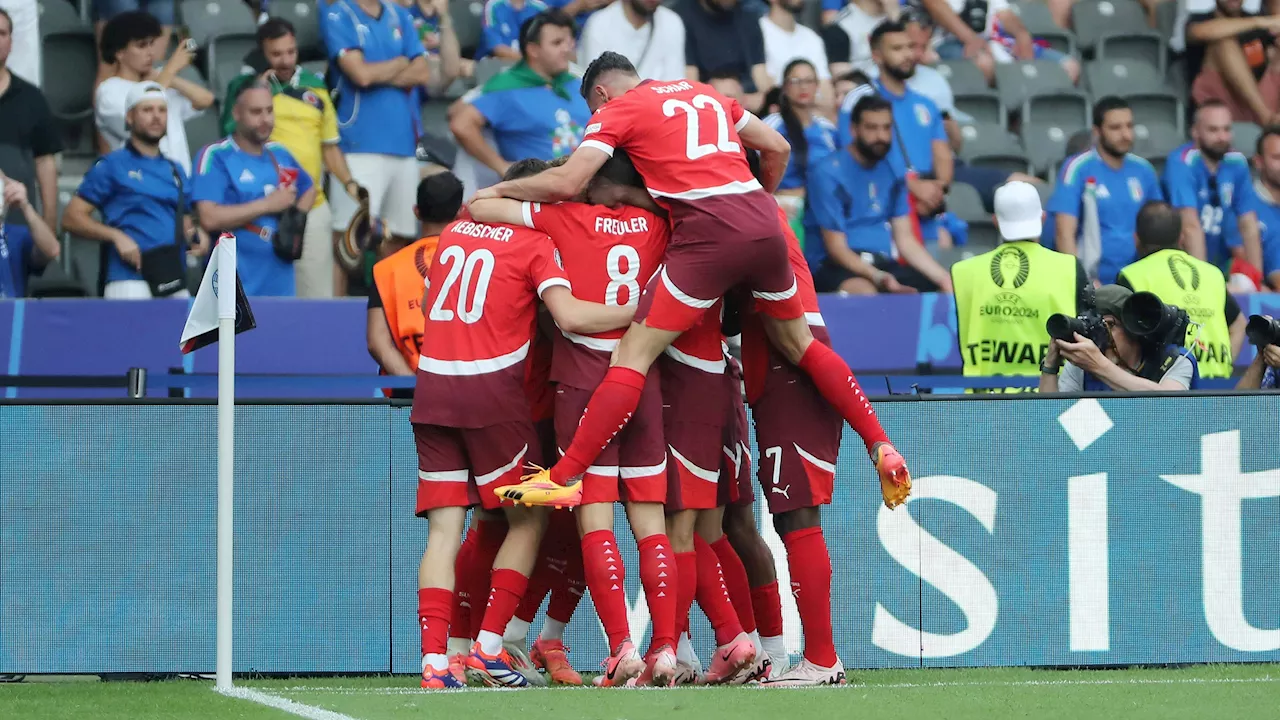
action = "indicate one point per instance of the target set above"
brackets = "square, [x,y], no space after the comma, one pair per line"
[1010,160]
[55,282]
[811,15]
[205,129]
[1093,20]
[1121,77]
[226,60]
[1046,146]
[986,140]
[319,67]
[1156,108]
[984,108]
[86,259]
[1244,137]
[70,57]
[1045,190]
[966,203]
[59,16]
[1039,22]
[1015,82]
[468,24]
[1067,109]
[306,23]
[488,67]
[964,77]
[1166,18]
[1156,140]
[210,18]
[1148,47]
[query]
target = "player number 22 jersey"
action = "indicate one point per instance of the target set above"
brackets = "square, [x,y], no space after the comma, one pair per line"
[481,307]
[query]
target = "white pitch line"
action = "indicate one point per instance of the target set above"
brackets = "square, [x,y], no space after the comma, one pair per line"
[310,712]
[341,690]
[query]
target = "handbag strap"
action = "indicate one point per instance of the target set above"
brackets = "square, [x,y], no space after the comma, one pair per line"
[179,231]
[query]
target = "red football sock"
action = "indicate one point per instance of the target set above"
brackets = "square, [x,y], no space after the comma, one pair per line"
[836,383]
[713,598]
[463,569]
[659,576]
[605,576]
[567,592]
[607,412]
[811,585]
[508,587]
[489,537]
[735,581]
[768,609]
[434,608]
[545,577]
[687,590]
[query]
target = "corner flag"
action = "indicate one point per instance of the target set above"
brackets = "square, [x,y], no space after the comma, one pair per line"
[202,324]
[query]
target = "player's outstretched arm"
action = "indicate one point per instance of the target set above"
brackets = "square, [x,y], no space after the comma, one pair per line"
[775,151]
[554,185]
[582,317]
[498,210]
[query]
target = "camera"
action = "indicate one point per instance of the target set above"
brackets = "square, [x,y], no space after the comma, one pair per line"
[1153,322]
[1263,330]
[1088,324]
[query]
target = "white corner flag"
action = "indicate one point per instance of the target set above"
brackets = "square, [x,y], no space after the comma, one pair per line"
[202,324]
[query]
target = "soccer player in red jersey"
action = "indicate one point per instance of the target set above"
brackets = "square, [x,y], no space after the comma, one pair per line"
[472,422]
[610,249]
[686,141]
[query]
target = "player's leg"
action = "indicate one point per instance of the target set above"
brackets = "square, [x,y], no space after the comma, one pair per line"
[735,650]
[443,497]
[734,573]
[562,546]
[758,564]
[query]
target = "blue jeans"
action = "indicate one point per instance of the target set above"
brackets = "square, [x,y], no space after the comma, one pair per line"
[953,49]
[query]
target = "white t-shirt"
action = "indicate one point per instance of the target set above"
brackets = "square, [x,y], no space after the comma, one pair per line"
[994,7]
[655,48]
[109,111]
[858,24]
[781,47]
[24,56]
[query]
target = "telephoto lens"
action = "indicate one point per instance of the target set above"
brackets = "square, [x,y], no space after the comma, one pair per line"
[1064,327]
[1262,330]
[1146,317]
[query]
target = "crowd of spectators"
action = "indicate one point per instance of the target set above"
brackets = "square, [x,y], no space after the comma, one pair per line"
[903,118]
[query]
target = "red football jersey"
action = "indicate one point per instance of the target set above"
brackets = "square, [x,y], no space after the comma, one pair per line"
[482,297]
[682,137]
[755,344]
[609,256]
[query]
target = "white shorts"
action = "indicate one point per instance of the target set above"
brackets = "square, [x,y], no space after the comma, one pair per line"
[313,272]
[133,290]
[392,183]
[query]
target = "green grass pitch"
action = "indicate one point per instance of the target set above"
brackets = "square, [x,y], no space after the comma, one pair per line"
[1219,691]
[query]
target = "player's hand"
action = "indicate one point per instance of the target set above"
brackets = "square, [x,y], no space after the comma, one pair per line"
[128,250]
[282,198]
[489,193]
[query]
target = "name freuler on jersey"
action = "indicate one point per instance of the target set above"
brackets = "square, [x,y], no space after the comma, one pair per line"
[490,232]
[612,226]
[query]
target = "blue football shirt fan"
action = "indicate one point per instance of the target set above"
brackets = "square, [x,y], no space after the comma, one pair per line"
[502,21]
[1109,178]
[228,175]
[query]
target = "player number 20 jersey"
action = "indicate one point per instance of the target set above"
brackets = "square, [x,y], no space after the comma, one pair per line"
[481,306]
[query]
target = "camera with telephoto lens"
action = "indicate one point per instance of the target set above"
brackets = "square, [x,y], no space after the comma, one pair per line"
[1146,317]
[1088,323]
[1263,330]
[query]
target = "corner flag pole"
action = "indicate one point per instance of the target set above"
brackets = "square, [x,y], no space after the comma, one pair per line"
[226,450]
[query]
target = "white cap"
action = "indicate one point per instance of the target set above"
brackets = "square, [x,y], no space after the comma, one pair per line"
[1018,211]
[143,91]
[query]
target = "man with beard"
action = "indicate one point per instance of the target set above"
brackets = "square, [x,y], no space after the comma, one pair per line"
[140,196]
[860,202]
[1211,186]
[786,40]
[1227,49]
[723,37]
[244,183]
[1267,188]
[647,33]
[1095,205]
[920,152]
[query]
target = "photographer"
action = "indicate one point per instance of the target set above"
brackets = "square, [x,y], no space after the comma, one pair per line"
[1264,372]
[1123,345]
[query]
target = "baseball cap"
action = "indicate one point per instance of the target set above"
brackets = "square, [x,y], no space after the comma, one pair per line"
[1109,299]
[1018,212]
[142,92]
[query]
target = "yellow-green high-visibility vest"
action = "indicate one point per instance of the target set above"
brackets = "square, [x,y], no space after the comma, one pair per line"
[1197,287]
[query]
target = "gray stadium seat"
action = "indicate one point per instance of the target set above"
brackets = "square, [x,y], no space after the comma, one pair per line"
[209,18]
[1018,80]
[1046,145]
[984,108]
[1010,160]
[987,140]
[71,59]
[1244,137]
[488,67]
[1092,20]
[318,67]
[305,18]
[1121,77]
[966,203]
[435,118]
[1156,108]
[1039,22]
[468,24]
[1066,109]
[1156,141]
[59,16]
[1166,18]
[1148,47]
[1045,190]
[811,15]
[964,77]
[226,60]
[203,130]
